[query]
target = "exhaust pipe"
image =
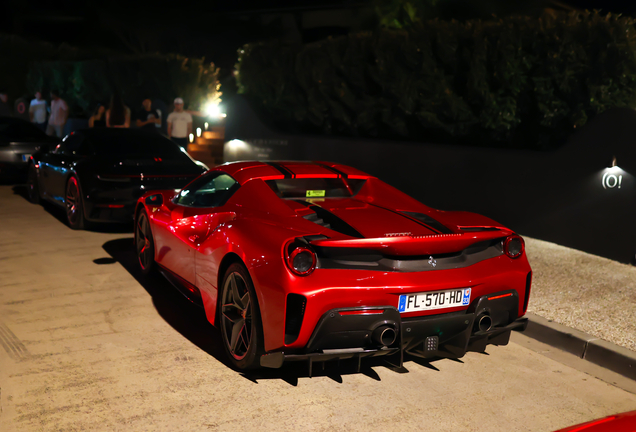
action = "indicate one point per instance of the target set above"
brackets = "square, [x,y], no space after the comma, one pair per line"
[484,323]
[384,335]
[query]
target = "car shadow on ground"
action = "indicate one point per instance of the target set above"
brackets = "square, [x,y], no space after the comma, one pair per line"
[59,214]
[190,321]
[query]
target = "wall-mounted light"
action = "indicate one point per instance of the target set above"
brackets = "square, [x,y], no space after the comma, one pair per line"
[206,125]
[198,132]
[191,138]
[236,145]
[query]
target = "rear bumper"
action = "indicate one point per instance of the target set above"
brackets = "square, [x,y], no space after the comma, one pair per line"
[342,333]
[117,211]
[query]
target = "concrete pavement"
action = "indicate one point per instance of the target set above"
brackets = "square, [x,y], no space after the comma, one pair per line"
[88,344]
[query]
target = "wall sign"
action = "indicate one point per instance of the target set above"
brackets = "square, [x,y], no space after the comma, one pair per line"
[611,181]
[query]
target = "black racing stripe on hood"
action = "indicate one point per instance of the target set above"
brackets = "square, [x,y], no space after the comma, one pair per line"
[303,202]
[284,171]
[428,221]
[335,223]
[332,169]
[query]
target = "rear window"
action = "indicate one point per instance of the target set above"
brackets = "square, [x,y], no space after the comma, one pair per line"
[315,187]
[132,142]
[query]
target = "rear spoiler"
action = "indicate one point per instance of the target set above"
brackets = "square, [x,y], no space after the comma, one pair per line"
[416,245]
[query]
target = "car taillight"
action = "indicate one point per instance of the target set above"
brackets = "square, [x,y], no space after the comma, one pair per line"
[300,259]
[513,246]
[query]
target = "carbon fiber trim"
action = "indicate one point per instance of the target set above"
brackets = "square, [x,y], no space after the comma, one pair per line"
[358,259]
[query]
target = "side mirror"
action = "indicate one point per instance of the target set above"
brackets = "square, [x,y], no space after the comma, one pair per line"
[154,200]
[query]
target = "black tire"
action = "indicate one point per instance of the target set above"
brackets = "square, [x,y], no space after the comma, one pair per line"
[33,187]
[144,244]
[240,319]
[74,204]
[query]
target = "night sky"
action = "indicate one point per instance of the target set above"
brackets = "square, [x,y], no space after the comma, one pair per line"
[215,29]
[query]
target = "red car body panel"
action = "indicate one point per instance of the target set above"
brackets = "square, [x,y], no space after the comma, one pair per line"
[254,226]
[625,422]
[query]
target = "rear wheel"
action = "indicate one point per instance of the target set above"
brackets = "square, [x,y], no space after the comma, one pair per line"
[33,189]
[144,244]
[74,205]
[240,319]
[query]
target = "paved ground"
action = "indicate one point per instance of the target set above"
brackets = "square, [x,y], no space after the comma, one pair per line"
[583,291]
[87,344]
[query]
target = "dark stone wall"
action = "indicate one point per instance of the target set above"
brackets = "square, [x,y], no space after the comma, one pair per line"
[567,196]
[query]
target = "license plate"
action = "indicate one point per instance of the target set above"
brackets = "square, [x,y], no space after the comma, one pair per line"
[25,157]
[434,300]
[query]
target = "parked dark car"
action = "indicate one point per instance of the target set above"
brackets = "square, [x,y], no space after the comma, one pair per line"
[19,139]
[98,174]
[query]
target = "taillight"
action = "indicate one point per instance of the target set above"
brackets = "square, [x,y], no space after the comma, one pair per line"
[513,246]
[300,259]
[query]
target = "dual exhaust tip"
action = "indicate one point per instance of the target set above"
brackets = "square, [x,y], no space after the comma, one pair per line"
[384,335]
[483,323]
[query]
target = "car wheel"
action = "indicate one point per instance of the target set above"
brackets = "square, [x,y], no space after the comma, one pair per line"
[240,319]
[144,244]
[74,207]
[33,189]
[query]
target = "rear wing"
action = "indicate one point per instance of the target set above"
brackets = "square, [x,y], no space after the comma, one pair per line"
[416,245]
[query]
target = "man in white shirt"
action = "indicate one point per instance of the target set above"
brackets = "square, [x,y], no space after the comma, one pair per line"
[179,124]
[59,114]
[37,111]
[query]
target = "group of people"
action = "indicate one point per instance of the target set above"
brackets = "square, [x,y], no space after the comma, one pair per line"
[117,114]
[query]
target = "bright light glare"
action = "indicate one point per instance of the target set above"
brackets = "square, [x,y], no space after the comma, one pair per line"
[198,132]
[236,145]
[206,125]
[213,110]
[191,137]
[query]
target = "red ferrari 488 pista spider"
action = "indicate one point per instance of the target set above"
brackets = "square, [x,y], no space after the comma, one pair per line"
[317,261]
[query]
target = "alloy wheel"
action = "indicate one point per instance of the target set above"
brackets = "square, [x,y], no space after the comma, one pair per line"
[143,242]
[73,202]
[237,315]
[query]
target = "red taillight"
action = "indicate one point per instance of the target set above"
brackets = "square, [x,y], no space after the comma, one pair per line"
[513,246]
[500,296]
[301,260]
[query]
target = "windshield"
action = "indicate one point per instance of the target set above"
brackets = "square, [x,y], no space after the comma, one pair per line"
[133,143]
[21,131]
[315,187]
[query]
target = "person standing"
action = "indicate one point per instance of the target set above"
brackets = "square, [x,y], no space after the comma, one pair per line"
[147,117]
[37,111]
[98,119]
[179,124]
[5,109]
[118,114]
[59,115]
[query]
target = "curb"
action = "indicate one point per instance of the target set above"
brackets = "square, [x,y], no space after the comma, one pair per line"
[588,347]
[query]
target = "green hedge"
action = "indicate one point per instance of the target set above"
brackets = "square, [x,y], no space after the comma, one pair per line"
[84,83]
[516,81]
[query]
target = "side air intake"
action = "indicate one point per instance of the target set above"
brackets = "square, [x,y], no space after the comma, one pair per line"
[294,313]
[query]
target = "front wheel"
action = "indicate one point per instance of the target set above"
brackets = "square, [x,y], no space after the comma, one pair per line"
[144,243]
[240,319]
[74,205]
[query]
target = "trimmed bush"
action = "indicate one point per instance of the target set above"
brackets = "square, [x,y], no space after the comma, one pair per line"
[514,82]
